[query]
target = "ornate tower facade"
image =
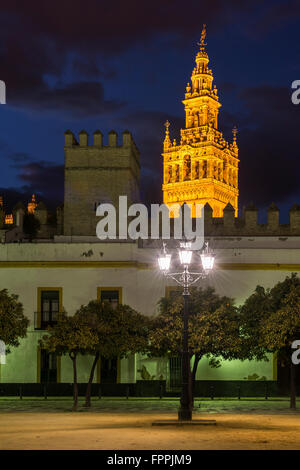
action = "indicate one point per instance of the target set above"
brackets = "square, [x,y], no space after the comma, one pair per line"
[203,167]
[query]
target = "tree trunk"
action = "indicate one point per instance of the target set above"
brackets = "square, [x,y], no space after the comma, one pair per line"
[91,378]
[292,387]
[75,385]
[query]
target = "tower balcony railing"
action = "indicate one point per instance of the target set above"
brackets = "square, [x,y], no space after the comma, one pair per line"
[44,319]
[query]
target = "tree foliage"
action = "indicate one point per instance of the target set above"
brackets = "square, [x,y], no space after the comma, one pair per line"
[214,328]
[70,335]
[13,323]
[120,331]
[213,325]
[282,327]
[271,321]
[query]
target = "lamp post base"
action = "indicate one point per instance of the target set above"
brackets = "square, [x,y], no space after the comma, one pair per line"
[177,422]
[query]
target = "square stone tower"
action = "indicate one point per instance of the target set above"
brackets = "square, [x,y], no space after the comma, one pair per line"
[96,174]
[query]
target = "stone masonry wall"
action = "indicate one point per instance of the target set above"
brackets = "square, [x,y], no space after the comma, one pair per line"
[96,174]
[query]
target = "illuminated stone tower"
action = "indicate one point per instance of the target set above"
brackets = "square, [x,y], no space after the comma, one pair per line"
[204,166]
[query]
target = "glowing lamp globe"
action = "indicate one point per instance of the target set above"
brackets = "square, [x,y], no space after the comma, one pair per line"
[164,262]
[185,253]
[208,260]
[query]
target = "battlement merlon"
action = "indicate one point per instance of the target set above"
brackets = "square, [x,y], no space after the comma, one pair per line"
[247,224]
[127,141]
[75,147]
[234,228]
[70,139]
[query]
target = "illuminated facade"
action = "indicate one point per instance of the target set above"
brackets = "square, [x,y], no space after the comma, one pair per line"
[9,219]
[203,167]
[6,219]
[31,205]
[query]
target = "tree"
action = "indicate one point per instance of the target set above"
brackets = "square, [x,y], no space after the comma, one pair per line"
[213,328]
[13,323]
[272,319]
[31,225]
[120,331]
[72,336]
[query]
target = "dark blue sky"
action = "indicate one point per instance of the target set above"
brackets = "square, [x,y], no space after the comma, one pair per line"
[94,65]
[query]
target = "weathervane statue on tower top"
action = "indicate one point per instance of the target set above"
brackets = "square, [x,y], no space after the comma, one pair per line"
[167,125]
[234,131]
[202,44]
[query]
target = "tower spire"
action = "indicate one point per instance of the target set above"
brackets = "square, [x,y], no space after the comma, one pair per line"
[201,98]
[167,125]
[234,132]
[167,141]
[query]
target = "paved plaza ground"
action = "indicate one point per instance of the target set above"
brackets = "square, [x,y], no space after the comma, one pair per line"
[117,424]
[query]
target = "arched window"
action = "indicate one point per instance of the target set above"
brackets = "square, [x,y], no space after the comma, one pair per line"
[169,174]
[187,167]
[204,169]
[196,174]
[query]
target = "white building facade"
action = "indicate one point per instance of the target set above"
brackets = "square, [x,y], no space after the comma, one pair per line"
[49,276]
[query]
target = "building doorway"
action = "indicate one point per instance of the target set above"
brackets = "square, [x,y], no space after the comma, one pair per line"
[109,370]
[48,370]
[283,379]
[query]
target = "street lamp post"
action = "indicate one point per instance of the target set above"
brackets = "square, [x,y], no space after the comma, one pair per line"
[185,278]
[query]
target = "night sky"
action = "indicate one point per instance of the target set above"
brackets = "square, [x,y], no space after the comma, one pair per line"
[125,64]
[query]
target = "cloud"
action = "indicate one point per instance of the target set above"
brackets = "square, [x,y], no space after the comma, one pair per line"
[38,38]
[277,15]
[42,178]
[269,145]
[18,158]
[85,66]
[79,99]
[112,28]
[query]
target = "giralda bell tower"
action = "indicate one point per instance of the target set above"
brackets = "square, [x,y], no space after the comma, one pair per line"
[203,167]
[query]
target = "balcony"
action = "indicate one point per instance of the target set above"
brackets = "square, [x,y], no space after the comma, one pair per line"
[44,319]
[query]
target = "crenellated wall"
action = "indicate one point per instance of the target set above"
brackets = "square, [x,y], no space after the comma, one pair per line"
[97,173]
[247,223]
